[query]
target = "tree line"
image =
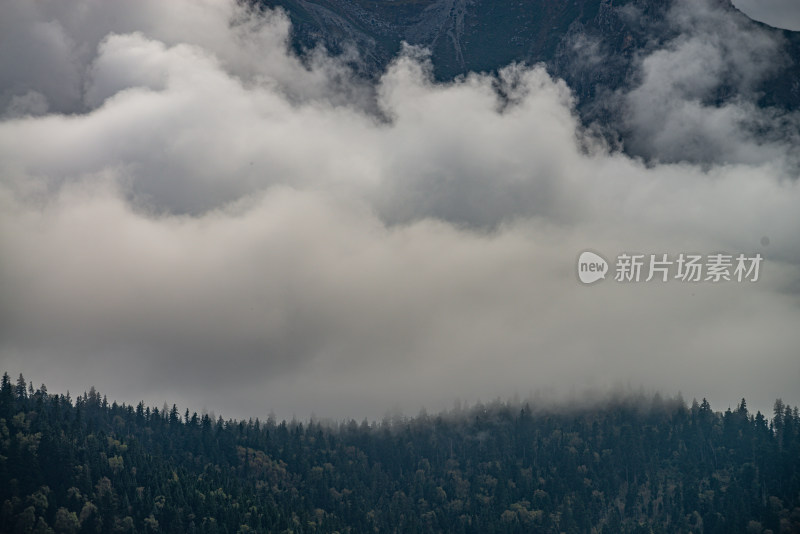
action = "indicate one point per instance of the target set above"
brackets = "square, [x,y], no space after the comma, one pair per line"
[638,464]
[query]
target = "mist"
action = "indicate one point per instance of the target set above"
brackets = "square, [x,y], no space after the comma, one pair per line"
[190,212]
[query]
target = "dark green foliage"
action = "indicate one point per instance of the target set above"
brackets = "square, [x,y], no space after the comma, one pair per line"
[636,465]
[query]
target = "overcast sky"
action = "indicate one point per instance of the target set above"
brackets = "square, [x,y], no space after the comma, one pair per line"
[777,13]
[188,214]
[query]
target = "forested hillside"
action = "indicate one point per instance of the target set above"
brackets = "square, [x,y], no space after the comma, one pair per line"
[633,465]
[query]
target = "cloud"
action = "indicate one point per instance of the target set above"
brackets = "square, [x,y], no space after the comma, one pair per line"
[212,221]
[697,98]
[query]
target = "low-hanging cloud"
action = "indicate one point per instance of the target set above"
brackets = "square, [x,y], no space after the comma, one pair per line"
[697,98]
[190,212]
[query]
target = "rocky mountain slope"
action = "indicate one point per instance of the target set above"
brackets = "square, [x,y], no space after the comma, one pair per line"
[592,44]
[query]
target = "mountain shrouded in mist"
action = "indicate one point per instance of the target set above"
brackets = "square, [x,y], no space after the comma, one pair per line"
[199,203]
[592,44]
[347,210]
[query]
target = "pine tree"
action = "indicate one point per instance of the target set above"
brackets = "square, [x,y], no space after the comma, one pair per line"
[21,387]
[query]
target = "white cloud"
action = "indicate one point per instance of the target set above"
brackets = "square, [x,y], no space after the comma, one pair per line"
[680,111]
[221,225]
